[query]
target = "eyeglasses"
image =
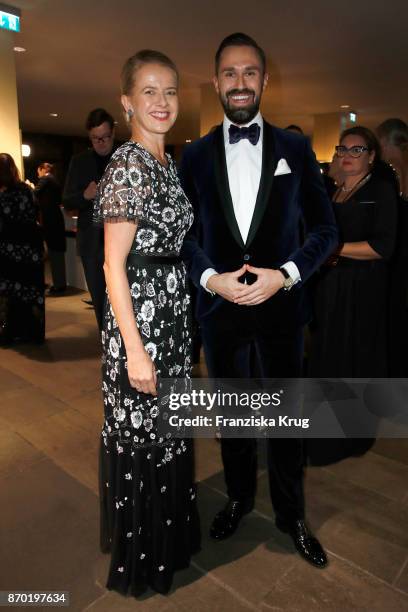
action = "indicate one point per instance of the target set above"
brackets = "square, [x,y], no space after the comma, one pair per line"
[101,139]
[355,152]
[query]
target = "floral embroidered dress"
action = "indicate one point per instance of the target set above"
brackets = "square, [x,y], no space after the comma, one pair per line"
[22,313]
[149,520]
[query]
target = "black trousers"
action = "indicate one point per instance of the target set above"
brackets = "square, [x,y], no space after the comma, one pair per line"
[274,355]
[95,279]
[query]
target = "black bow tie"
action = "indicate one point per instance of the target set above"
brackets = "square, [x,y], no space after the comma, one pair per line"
[251,132]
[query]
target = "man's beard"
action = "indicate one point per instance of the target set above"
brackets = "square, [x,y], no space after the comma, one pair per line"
[241,115]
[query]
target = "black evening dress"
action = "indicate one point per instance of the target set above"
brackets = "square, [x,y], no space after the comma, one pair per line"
[349,333]
[398,297]
[149,518]
[22,312]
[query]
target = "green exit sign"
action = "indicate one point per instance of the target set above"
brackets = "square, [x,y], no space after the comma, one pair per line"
[9,18]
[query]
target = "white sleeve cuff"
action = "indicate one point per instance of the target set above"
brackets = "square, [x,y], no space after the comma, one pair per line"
[205,276]
[293,271]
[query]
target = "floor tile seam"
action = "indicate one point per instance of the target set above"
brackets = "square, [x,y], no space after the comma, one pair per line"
[367,573]
[66,408]
[85,393]
[95,601]
[53,460]
[11,474]
[52,414]
[400,572]
[361,486]
[224,586]
[382,458]
[288,570]
[36,386]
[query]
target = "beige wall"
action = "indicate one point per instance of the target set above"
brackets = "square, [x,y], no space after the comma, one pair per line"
[10,140]
[211,110]
[326,133]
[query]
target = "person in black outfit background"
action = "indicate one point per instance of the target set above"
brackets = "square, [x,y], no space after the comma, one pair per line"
[393,136]
[22,313]
[49,197]
[349,334]
[84,173]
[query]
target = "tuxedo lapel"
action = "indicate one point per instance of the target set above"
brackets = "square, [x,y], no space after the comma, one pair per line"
[221,175]
[269,161]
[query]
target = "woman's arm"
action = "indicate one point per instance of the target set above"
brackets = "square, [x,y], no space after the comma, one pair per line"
[358,250]
[381,238]
[118,242]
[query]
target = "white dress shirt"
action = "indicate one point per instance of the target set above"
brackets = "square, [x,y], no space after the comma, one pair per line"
[244,166]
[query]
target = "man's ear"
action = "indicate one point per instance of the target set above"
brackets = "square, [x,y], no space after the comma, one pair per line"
[265,81]
[216,86]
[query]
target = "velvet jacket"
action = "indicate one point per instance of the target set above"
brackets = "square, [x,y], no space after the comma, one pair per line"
[292,221]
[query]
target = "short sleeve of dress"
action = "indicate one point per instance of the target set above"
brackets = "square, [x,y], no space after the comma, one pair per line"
[123,189]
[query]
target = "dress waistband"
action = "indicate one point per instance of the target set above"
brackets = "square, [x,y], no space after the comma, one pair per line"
[154,259]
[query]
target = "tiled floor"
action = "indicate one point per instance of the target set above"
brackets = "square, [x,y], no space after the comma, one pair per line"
[50,416]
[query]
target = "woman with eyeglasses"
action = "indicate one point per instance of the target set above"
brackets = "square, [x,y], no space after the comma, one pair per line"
[349,330]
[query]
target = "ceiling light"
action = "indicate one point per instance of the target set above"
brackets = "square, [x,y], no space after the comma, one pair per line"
[25,150]
[19,49]
[345,106]
[53,114]
[188,139]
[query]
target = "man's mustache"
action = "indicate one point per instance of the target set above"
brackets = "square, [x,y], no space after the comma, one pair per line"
[240,92]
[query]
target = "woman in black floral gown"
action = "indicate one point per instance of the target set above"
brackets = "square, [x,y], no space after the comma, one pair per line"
[149,520]
[22,314]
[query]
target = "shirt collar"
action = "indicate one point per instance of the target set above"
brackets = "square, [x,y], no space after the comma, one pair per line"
[226,125]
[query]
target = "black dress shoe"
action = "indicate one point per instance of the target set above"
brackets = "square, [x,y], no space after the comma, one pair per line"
[226,522]
[306,544]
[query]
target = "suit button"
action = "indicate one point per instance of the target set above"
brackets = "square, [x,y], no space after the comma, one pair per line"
[247,257]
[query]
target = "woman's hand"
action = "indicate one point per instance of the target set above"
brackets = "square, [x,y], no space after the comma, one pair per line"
[141,372]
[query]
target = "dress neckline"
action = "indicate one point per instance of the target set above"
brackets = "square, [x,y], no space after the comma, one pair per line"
[153,156]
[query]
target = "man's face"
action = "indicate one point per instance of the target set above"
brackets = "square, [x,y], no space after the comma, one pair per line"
[102,138]
[240,82]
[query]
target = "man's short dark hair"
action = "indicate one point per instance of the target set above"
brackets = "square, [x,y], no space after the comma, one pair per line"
[239,39]
[46,166]
[294,128]
[98,116]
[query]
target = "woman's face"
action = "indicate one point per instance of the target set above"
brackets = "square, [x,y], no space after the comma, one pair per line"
[355,166]
[154,99]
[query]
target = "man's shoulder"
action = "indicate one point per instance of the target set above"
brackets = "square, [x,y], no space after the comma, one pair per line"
[204,141]
[287,137]
[83,157]
[200,147]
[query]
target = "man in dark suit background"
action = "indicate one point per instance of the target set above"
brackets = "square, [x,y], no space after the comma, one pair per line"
[251,184]
[84,173]
[48,195]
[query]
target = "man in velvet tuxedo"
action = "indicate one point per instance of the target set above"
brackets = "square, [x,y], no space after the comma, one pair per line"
[252,185]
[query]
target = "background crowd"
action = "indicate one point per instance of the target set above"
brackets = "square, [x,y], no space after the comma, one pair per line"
[355,293]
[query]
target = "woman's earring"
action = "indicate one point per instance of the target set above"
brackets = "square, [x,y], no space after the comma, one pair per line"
[129,114]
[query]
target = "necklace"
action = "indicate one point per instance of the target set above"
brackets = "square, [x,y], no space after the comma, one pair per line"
[349,192]
[359,183]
